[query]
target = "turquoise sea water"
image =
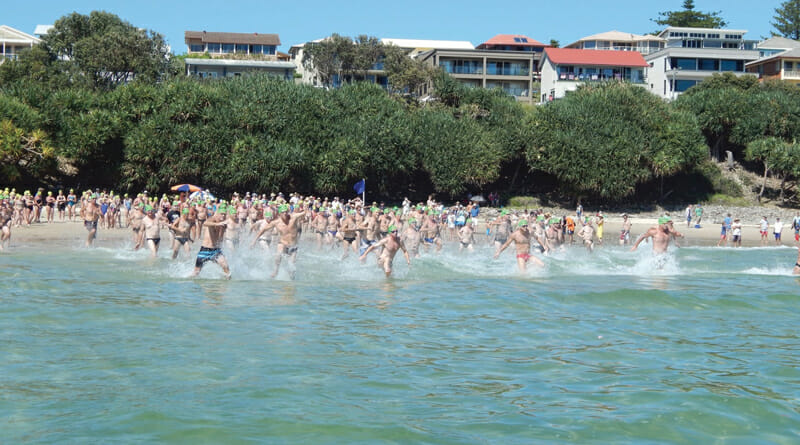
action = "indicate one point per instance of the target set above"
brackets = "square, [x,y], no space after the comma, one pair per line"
[106,345]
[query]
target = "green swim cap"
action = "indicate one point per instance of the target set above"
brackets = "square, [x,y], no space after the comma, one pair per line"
[540,218]
[222,208]
[522,223]
[412,220]
[664,220]
[267,214]
[231,210]
[184,211]
[283,208]
[503,212]
[148,208]
[391,228]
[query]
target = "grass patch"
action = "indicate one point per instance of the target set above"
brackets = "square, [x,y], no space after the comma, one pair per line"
[722,199]
[523,201]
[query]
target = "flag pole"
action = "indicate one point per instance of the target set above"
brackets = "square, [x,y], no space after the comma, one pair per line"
[364,192]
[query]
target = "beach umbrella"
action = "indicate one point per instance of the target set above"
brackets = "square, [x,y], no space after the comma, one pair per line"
[185,188]
[478,198]
[202,195]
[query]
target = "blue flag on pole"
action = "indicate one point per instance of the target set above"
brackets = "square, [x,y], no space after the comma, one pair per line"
[359,187]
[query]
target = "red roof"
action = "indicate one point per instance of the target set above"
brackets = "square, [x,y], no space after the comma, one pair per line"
[510,39]
[595,57]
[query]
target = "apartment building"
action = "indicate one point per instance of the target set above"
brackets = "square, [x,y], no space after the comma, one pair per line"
[564,69]
[12,41]
[506,61]
[694,54]
[620,41]
[228,54]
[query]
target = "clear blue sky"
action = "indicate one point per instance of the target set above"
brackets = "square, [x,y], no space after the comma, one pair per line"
[475,21]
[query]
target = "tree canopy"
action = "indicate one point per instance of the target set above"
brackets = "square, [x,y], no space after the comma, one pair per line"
[99,50]
[609,138]
[688,17]
[787,20]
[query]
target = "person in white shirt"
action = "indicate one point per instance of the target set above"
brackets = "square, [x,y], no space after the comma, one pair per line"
[777,229]
[736,231]
[763,229]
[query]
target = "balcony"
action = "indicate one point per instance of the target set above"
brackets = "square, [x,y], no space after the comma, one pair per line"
[791,74]
[513,71]
[463,70]
[570,77]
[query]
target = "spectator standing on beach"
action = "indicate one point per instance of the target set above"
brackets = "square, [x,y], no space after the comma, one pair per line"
[796,227]
[689,216]
[763,230]
[579,211]
[736,232]
[777,228]
[625,233]
[723,235]
[698,214]
[600,226]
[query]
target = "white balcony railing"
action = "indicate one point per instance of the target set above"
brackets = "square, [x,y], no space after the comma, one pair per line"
[791,74]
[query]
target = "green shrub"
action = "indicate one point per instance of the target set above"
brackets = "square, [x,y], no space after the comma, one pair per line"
[523,201]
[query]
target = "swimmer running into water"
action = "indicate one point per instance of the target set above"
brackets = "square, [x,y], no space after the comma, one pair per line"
[391,243]
[661,235]
[522,241]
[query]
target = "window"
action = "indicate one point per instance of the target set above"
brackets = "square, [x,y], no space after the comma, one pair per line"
[589,45]
[787,65]
[214,48]
[227,48]
[708,65]
[269,49]
[196,48]
[683,64]
[683,85]
[692,43]
[241,48]
[731,65]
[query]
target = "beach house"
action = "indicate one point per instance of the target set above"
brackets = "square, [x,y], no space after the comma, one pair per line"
[694,54]
[12,41]
[564,69]
[229,54]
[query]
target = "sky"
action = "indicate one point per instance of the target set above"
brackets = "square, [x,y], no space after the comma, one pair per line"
[297,22]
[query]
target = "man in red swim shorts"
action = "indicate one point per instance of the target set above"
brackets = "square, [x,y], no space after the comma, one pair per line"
[522,241]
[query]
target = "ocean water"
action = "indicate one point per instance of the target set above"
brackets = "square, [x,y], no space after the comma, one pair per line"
[107,345]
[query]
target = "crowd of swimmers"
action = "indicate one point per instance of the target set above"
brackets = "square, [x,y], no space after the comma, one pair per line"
[277,222]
